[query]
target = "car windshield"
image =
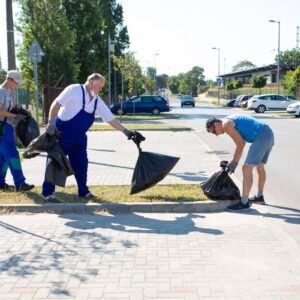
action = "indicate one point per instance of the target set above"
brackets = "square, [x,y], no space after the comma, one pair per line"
[187,98]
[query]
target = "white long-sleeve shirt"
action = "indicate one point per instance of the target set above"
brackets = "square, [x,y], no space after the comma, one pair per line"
[71,101]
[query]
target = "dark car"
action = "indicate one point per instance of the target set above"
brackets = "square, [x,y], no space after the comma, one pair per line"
[187,100]
[244,101]
[141,104]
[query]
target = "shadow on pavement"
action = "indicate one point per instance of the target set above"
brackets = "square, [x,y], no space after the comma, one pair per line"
[135,223]
[191,176]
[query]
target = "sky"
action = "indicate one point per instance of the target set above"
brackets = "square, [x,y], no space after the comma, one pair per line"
[175,35]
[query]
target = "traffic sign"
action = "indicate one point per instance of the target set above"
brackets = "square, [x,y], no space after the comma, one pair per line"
[35,52]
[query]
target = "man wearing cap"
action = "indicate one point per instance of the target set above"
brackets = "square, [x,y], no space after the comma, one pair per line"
[73,113]
[242,128]
[9,155]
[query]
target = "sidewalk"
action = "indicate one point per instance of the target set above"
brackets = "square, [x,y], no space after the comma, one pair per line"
[112,158]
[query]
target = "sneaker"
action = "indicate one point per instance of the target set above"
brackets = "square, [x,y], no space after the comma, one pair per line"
[7,188]
[258,200]
[51,198]
[239,206]
[25,187]
[89,196]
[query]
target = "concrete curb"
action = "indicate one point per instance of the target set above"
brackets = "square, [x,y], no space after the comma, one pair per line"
[114,208]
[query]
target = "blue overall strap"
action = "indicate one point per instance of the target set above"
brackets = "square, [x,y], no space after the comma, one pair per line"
[95,107]
[83,96]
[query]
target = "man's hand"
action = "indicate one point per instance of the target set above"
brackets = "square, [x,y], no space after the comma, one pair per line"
[129,133]
[134,135]
[51,128]
[232,166]
[20,117]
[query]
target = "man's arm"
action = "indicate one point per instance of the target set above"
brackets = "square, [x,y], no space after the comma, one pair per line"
[5,114]
[229,128]
[117,125]
[54,108]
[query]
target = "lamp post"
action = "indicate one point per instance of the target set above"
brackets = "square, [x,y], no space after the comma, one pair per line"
[110,46]
[154,75]
[278,55]
[218,80]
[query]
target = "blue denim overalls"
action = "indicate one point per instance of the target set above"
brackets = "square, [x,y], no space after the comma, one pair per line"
[74,144]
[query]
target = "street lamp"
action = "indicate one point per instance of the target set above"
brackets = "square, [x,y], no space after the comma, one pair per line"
[278,55]
[111,48]
[218,80]
[154,75]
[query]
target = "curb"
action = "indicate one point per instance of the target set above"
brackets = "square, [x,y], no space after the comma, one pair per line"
[115,208]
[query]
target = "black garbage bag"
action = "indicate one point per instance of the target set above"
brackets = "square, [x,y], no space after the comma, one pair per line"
[26,130]
[150,168]
[220,186]
[58,166]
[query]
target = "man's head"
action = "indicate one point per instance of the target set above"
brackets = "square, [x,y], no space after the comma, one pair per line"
[214,126]
[13,79]
[95,82]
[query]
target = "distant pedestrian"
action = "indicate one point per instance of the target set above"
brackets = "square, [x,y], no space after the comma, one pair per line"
[73,113]
[242,128]
[9,155]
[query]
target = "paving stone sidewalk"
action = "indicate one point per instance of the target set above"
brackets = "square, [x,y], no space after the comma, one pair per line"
[112,158]
[147,256]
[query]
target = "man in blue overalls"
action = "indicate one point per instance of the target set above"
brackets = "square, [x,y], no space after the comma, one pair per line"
[242,128]
[73,113]
[9,155]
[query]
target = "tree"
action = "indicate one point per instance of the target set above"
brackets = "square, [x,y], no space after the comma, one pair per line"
[258,82]
[131,71]
[289,58]
[162,81]
[238,84]
[45,21]
[173,84]
[243,65]
[291,81]
[229,86]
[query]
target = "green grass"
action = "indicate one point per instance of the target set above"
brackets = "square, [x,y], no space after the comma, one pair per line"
[146,117]
[142,127]
[112,193]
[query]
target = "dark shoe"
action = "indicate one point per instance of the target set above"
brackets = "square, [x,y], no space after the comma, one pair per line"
[25,187]
[258,200]
[7,188]
[239,207]
[89,196]
[51,198]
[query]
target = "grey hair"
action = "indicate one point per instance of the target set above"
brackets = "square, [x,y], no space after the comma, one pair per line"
[95,76]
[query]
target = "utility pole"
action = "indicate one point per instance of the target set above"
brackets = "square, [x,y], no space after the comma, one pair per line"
[218,79]
[11,57]
[297,47]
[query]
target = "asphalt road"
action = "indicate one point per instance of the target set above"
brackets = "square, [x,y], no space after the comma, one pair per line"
[283,175]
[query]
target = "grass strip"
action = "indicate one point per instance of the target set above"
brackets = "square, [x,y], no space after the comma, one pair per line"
[144,117]
[149,127]
[112,193]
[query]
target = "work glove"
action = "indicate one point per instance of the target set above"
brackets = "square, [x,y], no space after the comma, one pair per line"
[20,117]
[134,135]
[51,128]
[232,166]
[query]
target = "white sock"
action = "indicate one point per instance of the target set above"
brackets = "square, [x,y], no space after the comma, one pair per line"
[259,194]
[244,199]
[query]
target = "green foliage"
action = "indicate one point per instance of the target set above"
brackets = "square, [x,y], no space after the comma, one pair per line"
[162,81]
[131,70]
[2,75]
[238,84]
[289,58]
[243,65]
[291,81]
[187,83]
[258,82]
[230,86]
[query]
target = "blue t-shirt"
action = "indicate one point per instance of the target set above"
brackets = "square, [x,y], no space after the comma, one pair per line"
[248,127]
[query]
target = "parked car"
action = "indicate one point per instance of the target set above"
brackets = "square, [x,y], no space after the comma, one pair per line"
[230,103]
[141,104]
[237,101]
[294,109]
[261,103]
[244,101]
[187,100]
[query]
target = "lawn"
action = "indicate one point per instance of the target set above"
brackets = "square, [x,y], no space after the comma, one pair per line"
[136,126]
[112,193]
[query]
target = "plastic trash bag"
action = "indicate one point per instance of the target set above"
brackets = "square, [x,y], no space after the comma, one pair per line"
[220,186]
[26,130]
[150,168]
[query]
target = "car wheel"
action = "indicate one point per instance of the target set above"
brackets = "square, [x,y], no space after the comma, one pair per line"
[181,105]
[298,116]
[261,109]
[193,105]
[120,112]
[155,111]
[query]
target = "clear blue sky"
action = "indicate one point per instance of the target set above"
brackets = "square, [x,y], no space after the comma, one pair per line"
[184,32]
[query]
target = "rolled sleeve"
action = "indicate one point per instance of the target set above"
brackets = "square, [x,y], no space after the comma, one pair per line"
[103,111]
[66,95]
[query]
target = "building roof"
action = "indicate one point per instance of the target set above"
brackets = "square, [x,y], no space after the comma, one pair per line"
[250,71]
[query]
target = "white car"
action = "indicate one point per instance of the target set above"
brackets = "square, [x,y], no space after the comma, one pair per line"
[261,103]
[294,109]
